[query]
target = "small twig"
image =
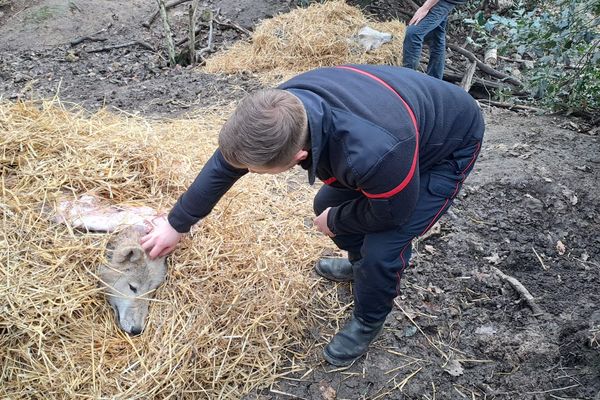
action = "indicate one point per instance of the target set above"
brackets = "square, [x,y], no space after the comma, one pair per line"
[118,46]
[514,60]
[84,38]
[484,67]
[540,259]
[91,38]
[444,355]
[523,292]
[157,12]
[554,390]
[167,29]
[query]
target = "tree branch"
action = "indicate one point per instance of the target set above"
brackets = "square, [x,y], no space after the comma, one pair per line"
[484,67]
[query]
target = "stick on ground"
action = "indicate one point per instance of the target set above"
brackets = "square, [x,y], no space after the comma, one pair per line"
[118,46]
[523,292]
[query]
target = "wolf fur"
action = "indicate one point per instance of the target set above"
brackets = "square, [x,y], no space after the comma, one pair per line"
[130,278]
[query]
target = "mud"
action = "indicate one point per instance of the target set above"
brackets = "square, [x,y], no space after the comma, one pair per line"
[531,208]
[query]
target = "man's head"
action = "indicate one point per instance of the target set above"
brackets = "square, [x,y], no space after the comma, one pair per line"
[267,132]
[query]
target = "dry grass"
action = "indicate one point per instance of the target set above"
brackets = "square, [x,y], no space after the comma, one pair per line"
[239,299]
[306,38]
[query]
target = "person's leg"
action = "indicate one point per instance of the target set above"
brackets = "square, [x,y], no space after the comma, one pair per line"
[335,268]
[436,40]
[385,255]
[414,35]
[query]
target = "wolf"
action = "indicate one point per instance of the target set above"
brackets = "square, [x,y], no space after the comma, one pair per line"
[130,278]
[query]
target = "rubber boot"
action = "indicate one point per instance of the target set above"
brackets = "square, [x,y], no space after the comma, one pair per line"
[352,341]
[337,269]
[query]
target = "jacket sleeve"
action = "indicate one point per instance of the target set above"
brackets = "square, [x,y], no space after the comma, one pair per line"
[214,180]
[390,193]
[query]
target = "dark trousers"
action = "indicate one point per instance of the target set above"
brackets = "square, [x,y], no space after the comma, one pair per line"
[432,31]
[386,254]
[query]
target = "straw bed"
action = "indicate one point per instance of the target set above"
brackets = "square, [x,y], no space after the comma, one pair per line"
[239,298]
[306,38]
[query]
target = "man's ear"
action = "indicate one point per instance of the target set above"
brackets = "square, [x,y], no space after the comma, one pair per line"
[301,156]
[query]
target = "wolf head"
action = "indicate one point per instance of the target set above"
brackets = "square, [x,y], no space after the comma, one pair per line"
[130,278]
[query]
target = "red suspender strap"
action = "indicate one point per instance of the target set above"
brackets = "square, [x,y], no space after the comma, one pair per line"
[413,167]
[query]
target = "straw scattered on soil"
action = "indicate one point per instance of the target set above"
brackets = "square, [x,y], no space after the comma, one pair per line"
[306,38]
[239,300]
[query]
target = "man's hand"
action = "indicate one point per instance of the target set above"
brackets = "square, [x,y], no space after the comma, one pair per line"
[161,240]
[422,12]
[419,15]
[321,223]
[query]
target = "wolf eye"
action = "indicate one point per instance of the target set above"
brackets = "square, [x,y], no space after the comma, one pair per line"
[133,288]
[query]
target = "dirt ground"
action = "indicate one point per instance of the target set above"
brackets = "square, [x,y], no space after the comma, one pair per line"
[531,209]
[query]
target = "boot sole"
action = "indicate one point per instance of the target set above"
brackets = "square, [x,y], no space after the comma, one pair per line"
[336,361]
[330,277]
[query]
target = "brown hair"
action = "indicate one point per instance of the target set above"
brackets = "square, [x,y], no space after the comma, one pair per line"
[266,129]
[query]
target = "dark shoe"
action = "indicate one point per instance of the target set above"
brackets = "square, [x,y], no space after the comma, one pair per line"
[351,342]
[335,269]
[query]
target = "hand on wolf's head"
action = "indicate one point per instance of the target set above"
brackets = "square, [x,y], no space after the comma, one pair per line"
[161,240]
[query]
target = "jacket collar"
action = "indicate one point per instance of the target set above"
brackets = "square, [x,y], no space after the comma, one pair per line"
[319,125]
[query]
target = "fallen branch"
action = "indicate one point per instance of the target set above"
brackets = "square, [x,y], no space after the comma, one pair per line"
[510,106]
[118,46]
[167,30]
[157,12]
[454,77]
[227,22]
[523,292]
[91,38]
[484,67]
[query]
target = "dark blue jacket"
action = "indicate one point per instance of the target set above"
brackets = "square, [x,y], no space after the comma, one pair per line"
[363,123]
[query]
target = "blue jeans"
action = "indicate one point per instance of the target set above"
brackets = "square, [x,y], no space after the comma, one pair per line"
[386,254]
[431,30]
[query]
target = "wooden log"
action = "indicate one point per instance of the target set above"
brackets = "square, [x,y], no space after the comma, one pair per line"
[467,79]
[491,56]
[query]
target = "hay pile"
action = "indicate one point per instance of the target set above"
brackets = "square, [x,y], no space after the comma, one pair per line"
[239,298]
[306,38]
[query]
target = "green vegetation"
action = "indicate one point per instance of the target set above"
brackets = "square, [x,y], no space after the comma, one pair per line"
[560,40]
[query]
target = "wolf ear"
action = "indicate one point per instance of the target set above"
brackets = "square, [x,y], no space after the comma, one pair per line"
[128,253]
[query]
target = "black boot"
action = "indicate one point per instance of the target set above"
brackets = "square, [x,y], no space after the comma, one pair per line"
[337,269]
[352,341]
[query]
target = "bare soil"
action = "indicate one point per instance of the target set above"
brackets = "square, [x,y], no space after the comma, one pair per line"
[531,208]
